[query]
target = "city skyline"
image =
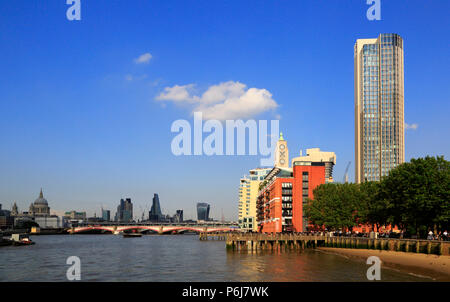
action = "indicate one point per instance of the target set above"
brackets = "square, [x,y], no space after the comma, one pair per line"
[137,214]
[87,110]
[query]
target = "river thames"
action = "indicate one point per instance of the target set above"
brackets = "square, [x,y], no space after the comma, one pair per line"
[174,258]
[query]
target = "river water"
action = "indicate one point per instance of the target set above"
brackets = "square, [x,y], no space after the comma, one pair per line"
[174,258]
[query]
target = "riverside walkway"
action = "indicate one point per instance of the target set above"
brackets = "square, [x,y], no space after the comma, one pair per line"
[258,242]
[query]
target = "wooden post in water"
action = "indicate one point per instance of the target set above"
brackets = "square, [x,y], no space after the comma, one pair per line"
[429,247]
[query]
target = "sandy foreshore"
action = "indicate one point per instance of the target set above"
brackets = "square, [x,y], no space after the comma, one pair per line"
[436,267]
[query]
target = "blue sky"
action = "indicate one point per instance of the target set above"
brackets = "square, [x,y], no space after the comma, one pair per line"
[80,118]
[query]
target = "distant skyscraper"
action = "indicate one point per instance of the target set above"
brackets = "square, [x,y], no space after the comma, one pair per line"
[155,213]
[179,216]
[124,211]
[106,215]
[379,106]
[202,211]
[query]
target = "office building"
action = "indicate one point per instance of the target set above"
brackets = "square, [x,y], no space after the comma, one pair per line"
[178,216]
[379,106]
[6,220]
[155,213]
[124,211]
[74,215]
[51,222]
[106,215]
[203,211]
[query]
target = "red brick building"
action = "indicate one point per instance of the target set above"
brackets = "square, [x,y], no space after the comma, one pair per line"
[274,203]
[284,191]
[283,194]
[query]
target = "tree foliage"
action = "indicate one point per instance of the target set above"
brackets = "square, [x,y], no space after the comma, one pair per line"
[336,206]
[415,196]
[419,194]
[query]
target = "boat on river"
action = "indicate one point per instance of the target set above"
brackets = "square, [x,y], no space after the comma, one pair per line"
[131,235]
[21,239]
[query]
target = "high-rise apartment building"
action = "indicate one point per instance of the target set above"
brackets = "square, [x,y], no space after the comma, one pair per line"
[248,194]
[379,106]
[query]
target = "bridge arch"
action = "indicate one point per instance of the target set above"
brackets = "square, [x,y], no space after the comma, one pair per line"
[161,229]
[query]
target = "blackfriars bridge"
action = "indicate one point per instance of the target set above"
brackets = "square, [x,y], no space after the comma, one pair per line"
[153,228]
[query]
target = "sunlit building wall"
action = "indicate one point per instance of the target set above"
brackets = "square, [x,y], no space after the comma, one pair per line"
[248,194]
[379,106]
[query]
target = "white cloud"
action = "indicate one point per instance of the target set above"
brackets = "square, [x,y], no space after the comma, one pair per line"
[177,94]
[227,100]
[411,127]
[143,59]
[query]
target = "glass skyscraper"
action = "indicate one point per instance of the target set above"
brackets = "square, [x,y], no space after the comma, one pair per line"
[155,213]
[106,215]
[202,211]
[124,211]
[379,106]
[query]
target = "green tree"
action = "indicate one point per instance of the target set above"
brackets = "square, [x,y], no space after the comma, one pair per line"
[336,206]
[415,196]
[27,224]
[320,210]
[418,194]
[377,205]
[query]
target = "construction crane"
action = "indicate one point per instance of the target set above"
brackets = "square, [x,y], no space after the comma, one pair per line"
[345,180]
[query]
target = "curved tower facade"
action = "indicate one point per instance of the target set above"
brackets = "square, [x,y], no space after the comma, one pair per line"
[203,211]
